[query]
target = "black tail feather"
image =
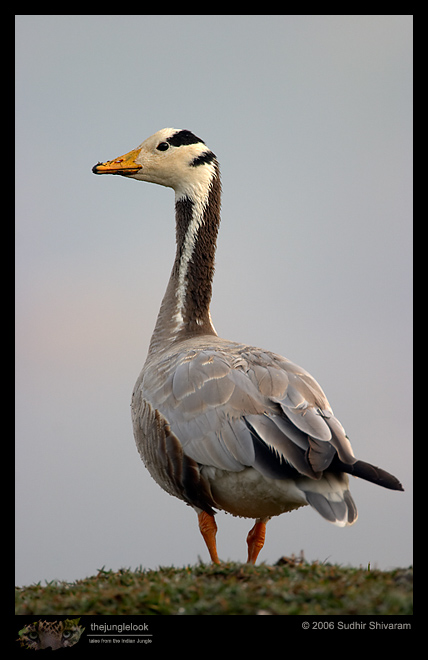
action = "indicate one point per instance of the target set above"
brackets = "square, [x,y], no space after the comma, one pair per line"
[369,472]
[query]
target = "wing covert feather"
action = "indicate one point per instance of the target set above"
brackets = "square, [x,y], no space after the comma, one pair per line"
[219,402]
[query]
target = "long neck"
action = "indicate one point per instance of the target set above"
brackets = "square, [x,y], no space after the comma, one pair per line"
[185,307]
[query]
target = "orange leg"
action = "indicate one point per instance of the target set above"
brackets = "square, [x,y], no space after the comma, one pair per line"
[208,528]
[256,540]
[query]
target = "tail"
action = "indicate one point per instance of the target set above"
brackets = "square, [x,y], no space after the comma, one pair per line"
[368,472]
[330,495]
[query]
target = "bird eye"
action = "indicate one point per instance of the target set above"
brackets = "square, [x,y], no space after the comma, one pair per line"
[162,146]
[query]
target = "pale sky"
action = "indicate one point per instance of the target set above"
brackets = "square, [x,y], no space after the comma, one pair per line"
[311,120]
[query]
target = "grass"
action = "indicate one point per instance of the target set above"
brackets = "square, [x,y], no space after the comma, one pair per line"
[289,587]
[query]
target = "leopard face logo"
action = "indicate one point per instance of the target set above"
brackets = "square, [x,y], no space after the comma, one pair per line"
[50,634]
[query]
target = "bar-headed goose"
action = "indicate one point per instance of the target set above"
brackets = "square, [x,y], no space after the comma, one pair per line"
[218,424]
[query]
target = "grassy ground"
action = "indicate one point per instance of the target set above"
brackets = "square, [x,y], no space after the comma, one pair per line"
[289,587]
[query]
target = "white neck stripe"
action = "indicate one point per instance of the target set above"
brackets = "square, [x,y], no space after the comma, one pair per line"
[199,203]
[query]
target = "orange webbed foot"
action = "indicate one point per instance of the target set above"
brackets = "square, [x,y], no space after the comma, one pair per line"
[208,528]
[255,540]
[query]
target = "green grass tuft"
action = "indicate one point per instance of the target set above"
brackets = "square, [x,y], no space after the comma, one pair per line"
[287,588]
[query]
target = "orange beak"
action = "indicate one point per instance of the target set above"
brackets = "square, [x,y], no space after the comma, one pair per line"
[124,165]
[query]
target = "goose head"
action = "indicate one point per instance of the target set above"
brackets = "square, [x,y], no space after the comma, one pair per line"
[171,157]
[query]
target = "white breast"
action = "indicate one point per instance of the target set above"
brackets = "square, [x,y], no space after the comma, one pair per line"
[251,495]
